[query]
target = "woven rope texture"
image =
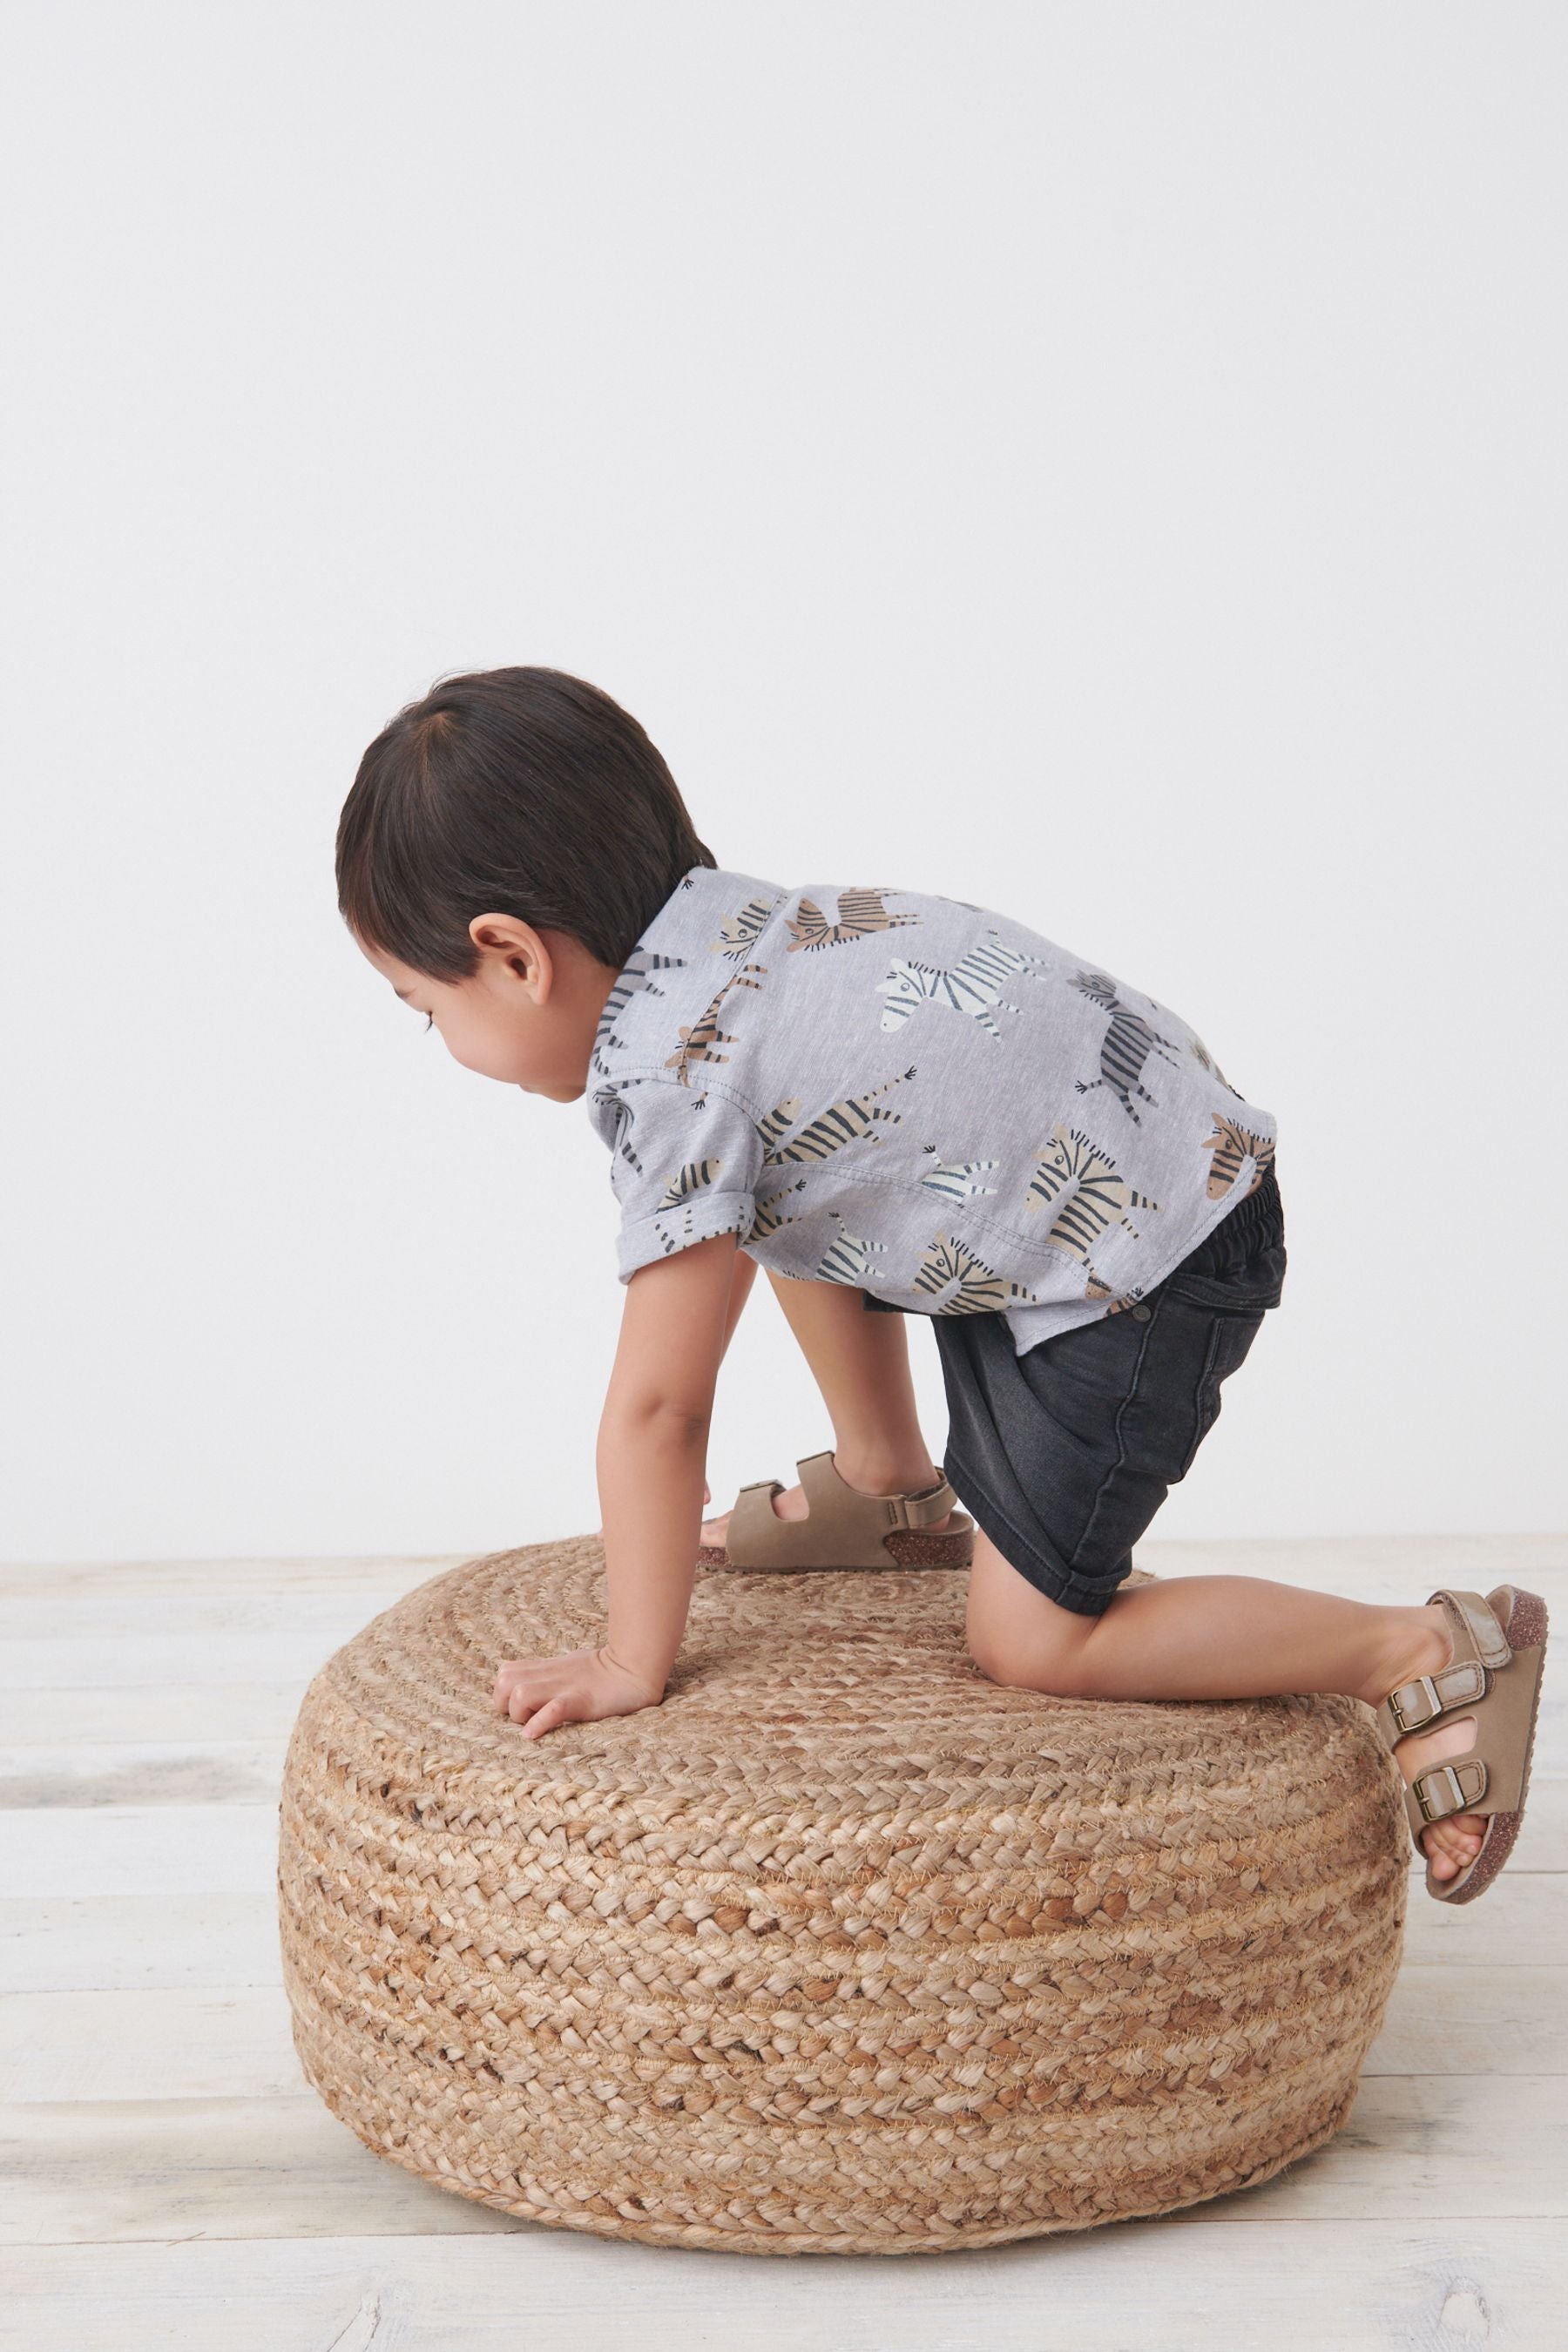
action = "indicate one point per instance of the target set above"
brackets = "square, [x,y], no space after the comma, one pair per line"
[841,1948]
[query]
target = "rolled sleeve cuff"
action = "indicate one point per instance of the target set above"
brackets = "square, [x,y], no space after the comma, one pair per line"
[673,1229]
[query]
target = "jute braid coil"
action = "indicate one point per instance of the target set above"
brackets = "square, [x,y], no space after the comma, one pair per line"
[843,1948]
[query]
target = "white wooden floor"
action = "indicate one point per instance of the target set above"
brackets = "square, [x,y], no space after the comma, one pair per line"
[172,2182]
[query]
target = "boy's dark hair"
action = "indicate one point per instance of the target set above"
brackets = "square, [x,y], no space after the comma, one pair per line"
[516,791]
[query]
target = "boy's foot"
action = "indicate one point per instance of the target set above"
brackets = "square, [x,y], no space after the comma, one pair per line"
[792,1504]
[1456,1840]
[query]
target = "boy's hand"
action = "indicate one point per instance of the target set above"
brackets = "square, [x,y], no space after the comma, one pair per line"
[578,1686]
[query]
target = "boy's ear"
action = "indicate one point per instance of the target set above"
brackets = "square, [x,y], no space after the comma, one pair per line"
[524,951]
[503,934]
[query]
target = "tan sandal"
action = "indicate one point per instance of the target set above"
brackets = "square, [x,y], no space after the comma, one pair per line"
[1493,1675]
[843,1527]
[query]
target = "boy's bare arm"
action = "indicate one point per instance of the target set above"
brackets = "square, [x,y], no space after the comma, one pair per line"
[652,1446]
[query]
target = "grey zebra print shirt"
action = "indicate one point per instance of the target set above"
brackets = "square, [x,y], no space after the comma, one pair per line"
[911,1095]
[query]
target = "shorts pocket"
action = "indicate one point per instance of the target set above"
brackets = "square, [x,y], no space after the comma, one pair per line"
[1241,1290]
[1230,1336]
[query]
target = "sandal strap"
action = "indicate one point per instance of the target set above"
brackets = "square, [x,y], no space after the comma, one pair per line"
[842,1528]
[1480,1646]
[1421,1701]
[756,1536]
[1477,1633]
[1491,1776]
[921,1509]
[1451,1787]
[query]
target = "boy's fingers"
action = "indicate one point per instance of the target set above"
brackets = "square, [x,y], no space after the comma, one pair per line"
[512,1670]
[545,1718]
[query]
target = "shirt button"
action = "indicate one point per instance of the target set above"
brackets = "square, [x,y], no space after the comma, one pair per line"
[1141,1314]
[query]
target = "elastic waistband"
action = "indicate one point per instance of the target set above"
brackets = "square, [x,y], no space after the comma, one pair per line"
[1262,1213]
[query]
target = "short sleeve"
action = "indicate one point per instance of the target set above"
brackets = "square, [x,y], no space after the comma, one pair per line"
[684,1166]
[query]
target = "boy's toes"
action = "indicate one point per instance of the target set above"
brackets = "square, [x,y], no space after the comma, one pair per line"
[1449,1845]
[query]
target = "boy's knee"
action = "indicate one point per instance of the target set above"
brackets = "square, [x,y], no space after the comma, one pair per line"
[1018,1635]
[1057,1665]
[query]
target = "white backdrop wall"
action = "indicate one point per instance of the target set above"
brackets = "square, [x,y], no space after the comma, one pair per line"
[1103,463]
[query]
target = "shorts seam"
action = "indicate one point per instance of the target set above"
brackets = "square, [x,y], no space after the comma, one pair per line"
[1123,1407]
[1062,1586]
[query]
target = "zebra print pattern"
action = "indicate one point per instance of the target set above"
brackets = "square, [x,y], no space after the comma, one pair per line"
[981,1290]
[700,1041]
[673,1213]
[1060,1229]
[861,914]
[958,1180]
[696,1176]
[770,1218]
[776,1122]
[1125,1049]
[854,1119]
[971,986]
[1195,1046]
[1095,1200]
[738,934]
[635,977]
[622,1155]
[1232,1146]
[849,1257]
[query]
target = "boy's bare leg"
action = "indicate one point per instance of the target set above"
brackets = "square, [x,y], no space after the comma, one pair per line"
[743,1274]
[1220,1637]
[860,1361]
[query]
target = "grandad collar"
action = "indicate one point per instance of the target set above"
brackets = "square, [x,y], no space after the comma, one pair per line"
[712,911]
[707,911]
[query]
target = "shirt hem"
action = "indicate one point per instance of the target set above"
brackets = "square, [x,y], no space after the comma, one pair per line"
[669,1231]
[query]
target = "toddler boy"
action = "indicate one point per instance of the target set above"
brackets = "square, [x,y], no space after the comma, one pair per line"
[888,1100]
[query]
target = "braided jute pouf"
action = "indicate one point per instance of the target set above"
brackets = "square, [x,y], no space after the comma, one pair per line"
[842,1948]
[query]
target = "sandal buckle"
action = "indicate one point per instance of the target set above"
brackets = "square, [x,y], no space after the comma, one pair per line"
[1428,1690]
[1439,1772]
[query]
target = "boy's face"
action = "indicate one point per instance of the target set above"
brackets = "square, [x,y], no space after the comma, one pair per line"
[527,1017]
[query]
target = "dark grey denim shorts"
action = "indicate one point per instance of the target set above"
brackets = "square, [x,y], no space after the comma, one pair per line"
[1065,1453]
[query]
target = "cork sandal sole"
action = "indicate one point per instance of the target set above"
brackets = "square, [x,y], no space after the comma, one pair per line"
[842,1528]
[1526,1629]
